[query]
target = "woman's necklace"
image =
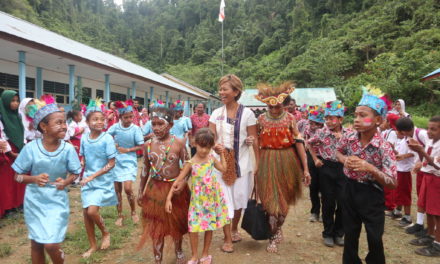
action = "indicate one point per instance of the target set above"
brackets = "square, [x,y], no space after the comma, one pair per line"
[154,172]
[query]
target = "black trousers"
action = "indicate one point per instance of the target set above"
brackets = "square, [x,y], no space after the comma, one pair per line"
[363,203]
[314,186]
[332,183]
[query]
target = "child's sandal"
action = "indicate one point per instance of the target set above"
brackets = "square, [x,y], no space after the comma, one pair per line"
[206,260]
[193,261]
[236,237]
[227,248]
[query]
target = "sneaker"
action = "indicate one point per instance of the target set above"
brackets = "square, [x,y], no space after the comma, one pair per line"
[388,213]
[339,241]
[313,218]
[404,222]
[431,251]
[422,233]
[414,229]
[329,242]
[395,215]
[422,241]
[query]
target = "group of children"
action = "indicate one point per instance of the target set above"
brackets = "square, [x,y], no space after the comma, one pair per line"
[359,172]
[353,170]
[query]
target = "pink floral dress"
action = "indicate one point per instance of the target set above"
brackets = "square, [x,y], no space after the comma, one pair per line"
[207,208]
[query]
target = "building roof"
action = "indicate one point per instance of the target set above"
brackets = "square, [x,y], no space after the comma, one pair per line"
[309,96]
[432,75]
[22,29]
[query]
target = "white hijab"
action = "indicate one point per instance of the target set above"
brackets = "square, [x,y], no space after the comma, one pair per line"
[402,106]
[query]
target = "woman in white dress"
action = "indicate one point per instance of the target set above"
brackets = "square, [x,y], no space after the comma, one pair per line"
[235,128]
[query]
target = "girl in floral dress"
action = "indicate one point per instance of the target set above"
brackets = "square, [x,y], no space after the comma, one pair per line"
[207,209]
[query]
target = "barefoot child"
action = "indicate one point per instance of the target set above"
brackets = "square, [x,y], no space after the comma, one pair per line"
[162,156]
[98,151]
[128,138]
[207,209]
[47,166]
[430,189]
[370,164]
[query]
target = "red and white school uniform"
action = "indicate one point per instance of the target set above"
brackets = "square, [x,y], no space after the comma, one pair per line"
[404,178]
[421,135]
[429,196]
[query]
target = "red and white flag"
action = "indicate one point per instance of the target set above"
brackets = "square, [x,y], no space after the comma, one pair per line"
[221,15]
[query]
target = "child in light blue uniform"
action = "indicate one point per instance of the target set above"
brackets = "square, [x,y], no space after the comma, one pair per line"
[47,166]
[128,138]
[181,126]
[98,151]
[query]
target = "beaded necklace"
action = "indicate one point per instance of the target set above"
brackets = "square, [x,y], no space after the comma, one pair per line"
[154,172]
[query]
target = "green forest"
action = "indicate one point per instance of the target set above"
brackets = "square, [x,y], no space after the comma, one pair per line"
[344,44]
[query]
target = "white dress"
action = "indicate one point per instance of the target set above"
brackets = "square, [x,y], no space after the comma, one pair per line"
[237,195]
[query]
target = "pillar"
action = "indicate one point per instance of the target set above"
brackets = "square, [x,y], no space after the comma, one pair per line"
[22,74]
[188,107]
[39,82]
[151,94]
[133,90]
[79,87]
[107,88]
[209,107]
[167,98]
[71,83]
[146,100]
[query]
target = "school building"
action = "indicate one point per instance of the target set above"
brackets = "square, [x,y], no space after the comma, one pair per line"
[36,61]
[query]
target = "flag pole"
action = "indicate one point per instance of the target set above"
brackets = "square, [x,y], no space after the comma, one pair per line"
[223,55]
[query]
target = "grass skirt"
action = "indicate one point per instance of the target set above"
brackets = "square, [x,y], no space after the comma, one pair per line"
[156,221]
[279,180]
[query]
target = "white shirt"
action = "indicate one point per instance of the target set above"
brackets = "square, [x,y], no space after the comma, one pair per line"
[435,153]
[421,135]
[3,137]
[391,136]
[402,148]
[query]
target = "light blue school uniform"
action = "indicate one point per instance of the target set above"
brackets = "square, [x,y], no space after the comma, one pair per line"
[97,152]
[147,128]
[46,209]
[188,122]
[180,127]
[126,164]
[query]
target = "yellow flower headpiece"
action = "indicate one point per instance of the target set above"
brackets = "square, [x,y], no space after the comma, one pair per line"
[274,95]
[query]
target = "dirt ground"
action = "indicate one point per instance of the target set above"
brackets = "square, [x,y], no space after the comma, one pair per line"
[302,244]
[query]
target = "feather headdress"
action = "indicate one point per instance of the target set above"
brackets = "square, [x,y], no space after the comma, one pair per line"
[274,95]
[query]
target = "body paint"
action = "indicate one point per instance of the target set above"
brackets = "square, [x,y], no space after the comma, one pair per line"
[367,121]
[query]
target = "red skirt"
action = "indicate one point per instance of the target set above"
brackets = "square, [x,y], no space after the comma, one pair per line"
[157,223]
[404,188]
[429,196]
[7,182]
[19,188]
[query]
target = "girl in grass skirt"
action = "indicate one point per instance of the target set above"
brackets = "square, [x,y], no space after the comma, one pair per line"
[278,180]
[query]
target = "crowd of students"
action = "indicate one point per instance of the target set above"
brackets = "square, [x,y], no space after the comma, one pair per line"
[355,173]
